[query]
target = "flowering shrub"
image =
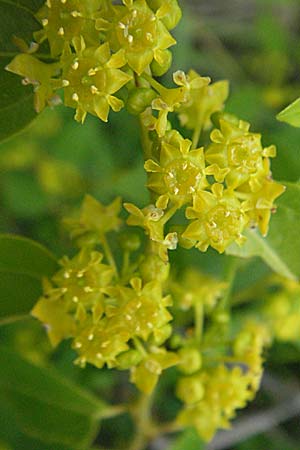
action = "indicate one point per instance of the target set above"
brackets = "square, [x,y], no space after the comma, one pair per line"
[123,306]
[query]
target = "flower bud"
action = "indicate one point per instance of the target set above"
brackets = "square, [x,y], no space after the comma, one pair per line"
[139,99]
[160,69]
[129,241]
[190,360]
[153,268]
[190,389]
[129,359]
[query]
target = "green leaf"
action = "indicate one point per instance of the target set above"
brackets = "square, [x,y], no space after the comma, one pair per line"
[187,440]
[280,249]
[291,114]
[47,406]
[23,264]
[16,101]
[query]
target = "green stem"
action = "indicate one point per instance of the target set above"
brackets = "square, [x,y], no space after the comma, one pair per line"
[198,310]
[170,213]
[197,131]
[11,319]
[139,346]
[229,276]
[109,255]
[153,83]
[143,422]
[113,411]
[146,142]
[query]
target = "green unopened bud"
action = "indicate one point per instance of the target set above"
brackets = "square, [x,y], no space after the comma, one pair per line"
[129,241]
[129,359]
[217,116]
[153,268]
[190,389]
[139,99]
[159,69]
[190,360]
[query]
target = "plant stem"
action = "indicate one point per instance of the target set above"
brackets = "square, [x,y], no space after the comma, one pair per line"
[229,276]
[109,255]
[197,133]
[112,411]
[143,421]
[198,310]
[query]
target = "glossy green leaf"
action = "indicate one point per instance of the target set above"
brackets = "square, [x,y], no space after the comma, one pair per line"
[291,114]
[47,406]
[23,264]
[16,101]
[280,249]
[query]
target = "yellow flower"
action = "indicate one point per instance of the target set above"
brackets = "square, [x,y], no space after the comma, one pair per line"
[202,100]
[41,75]
[62,21]
[179,173]
[240,151]
[219,392]
[140,33]
[94,220]
[220,220]
[90,77]
[260,204]
[147,373]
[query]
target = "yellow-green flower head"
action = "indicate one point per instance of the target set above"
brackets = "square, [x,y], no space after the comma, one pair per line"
[90,78]
[248,349]
[147,218]
[147,373]
[282,311]
[141,310]
[179,173]
[63,20]
[75,290]
[167,10]
[239,150]
[140,33]
[219,220]
[195,287]
[41,75]
[100,343]
[94,220]
[219,392]
[202,100]
[260,204]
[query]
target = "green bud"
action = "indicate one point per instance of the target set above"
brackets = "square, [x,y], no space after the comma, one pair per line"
[153,268]
[190,389]
[217,116]
[190,360]
[129,241]
[160,69]
[139,99]
[129,359]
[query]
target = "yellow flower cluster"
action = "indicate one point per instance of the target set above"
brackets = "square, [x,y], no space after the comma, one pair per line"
[282,311]
[120,322]
[97,47]
[104,54]
[223,188]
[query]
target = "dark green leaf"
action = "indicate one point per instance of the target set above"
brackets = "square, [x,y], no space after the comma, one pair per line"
[23,264]
[281,248]
[47,406]
[16,101]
